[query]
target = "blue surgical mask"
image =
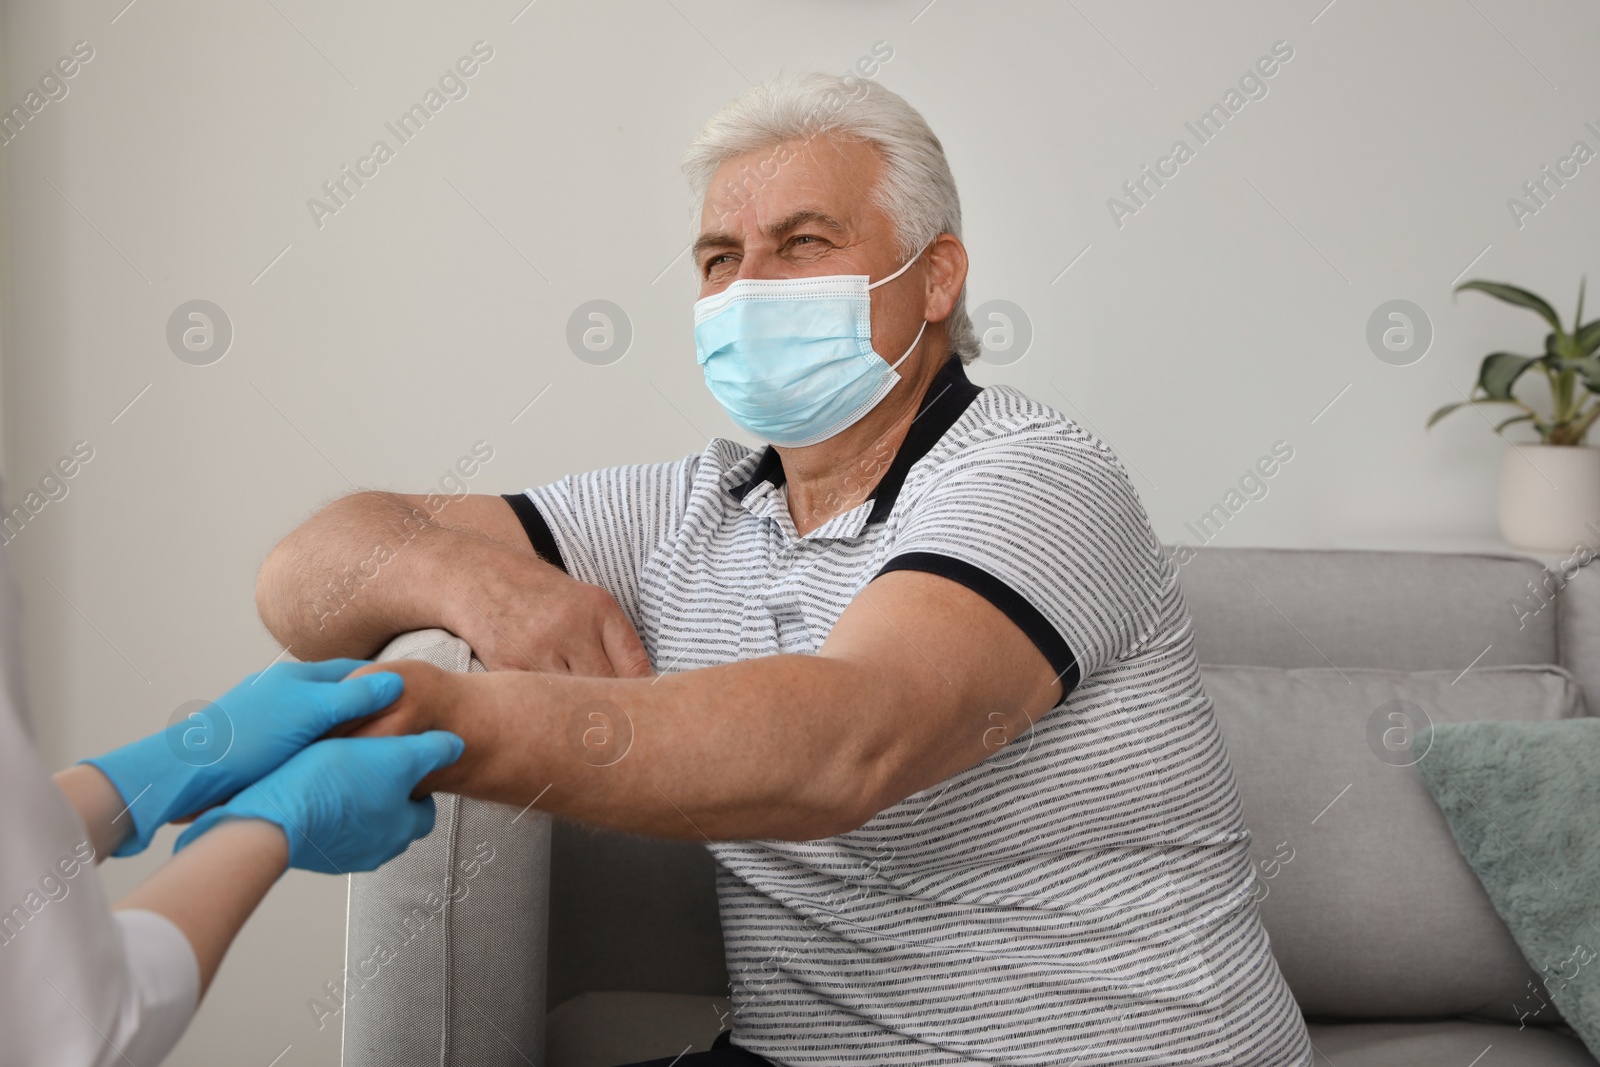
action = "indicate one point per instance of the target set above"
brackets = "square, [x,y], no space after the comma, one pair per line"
[791,359]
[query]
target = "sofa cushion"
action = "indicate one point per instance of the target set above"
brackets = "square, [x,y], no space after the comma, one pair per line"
[1371,909]
[1523,802]
[1443,1043]
[607,1029]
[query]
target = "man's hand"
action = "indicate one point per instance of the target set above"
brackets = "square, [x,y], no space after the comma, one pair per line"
[375,565]
[520,613]
[434,699]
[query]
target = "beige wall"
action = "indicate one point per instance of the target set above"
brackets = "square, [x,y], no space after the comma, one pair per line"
[423,316]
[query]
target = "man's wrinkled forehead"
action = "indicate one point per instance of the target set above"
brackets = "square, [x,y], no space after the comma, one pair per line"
[823,181]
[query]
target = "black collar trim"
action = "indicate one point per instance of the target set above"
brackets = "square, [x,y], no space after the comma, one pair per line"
[947,397]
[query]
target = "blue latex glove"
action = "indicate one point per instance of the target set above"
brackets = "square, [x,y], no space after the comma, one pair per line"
[345,804]
[206,758]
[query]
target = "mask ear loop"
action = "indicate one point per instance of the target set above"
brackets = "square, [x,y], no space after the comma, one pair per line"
[914,341]
[905,267]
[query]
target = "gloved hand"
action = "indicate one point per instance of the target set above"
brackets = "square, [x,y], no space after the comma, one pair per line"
[251,730]
[345,804]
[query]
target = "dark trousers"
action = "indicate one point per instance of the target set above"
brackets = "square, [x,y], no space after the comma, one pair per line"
[723,1053]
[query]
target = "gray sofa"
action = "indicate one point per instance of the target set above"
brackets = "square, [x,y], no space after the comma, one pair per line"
[508,938]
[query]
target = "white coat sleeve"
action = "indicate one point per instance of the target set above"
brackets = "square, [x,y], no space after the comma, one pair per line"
[79,985]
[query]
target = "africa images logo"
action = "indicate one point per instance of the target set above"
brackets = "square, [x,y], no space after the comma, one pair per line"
[1252,86]
[453,85]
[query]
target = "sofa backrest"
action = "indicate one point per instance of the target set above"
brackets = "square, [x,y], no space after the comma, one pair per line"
[634,913]
[1409,611]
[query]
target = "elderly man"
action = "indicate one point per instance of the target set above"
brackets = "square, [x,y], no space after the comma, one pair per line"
[929,690]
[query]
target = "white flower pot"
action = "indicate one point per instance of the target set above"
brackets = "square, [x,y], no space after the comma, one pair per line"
[1550,496]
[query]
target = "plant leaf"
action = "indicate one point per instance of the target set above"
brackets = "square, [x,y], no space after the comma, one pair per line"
[1442,412]
[1588,368]
[1588,338]
[1500,372]
[1583,282]
[1448,408]
[1512,295]
[1512,421]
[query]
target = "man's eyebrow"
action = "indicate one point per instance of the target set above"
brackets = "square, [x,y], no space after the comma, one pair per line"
[718,239]
[792,221]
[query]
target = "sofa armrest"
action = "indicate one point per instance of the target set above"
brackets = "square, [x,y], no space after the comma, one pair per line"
[445,944]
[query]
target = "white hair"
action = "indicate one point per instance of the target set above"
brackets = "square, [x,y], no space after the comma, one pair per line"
[917,192]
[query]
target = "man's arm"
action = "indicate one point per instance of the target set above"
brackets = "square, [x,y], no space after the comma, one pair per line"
[920,679]
[374,565]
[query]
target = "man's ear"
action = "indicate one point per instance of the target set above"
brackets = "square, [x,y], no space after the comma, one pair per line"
[947,273]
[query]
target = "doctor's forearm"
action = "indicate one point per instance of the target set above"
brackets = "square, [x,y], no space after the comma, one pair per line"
[775,747]
[98,804]
[209,889]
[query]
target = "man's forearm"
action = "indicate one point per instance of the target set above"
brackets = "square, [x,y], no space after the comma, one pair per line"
[356,574]
[778,747]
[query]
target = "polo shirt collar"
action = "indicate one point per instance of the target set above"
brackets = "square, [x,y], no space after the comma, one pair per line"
[947,397]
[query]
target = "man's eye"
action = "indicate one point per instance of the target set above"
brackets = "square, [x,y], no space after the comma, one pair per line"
[717,263]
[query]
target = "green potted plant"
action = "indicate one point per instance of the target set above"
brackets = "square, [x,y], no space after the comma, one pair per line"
[1549,490]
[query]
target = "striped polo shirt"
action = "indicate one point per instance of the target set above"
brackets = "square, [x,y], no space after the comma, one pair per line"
[1084,895]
